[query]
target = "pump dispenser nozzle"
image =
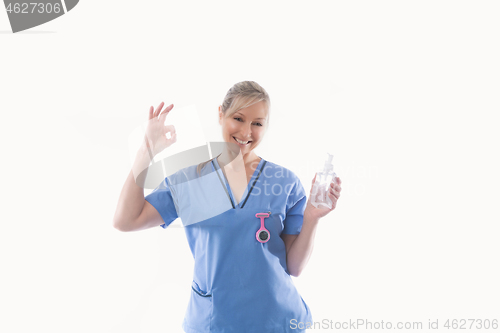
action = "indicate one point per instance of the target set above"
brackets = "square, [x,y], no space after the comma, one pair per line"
[328,163]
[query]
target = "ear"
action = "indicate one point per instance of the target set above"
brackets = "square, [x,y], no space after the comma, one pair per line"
[220,115]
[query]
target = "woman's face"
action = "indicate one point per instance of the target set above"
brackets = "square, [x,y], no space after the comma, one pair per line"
[248,124]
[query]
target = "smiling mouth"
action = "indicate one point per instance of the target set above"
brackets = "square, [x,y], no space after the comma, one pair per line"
[241,144]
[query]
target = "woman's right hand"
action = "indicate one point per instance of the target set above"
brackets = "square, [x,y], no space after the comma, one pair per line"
[156,130]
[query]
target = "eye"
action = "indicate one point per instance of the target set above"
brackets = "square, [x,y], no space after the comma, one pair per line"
[239,119]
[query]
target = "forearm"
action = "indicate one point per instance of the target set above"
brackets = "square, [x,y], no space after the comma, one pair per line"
[131,200]
[301,249]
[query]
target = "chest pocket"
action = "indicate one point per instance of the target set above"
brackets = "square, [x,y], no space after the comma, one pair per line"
[200,199]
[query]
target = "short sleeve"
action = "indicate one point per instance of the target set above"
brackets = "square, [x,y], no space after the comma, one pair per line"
[295,206]
[161,199]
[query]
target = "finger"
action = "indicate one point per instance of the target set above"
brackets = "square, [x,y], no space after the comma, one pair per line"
[314,179]
[173,138]
[150,113]
[170,128]
[337,179]
[164,113]
[336,194]
[334,201]
[158,109]
[335,187]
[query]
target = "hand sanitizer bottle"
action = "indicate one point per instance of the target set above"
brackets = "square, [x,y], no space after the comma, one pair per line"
[321,187]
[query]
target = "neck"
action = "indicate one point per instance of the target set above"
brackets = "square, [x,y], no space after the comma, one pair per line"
[236,160]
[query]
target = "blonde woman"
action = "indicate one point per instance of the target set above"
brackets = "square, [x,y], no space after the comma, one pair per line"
[248,221]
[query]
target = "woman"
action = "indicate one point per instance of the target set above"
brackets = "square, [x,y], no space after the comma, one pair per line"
[247,220]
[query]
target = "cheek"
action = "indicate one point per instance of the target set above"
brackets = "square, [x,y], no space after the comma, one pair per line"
[259,134]
[228,128]
[233,128]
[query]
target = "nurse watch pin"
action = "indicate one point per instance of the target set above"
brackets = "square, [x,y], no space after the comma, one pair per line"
[262,234]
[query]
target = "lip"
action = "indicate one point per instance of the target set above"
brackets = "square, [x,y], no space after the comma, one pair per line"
[239,144]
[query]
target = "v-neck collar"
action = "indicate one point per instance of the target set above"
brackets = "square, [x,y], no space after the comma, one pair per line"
[253,180]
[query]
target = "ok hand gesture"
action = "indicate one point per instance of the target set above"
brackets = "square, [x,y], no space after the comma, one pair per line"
[156,131]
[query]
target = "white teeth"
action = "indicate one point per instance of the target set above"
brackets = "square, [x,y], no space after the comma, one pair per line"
[242,142]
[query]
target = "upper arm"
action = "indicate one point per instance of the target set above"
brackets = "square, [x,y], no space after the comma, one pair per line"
[148,218]
[288,240]
[296,202]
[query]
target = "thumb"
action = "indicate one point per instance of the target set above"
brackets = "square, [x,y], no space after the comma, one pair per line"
[312,186]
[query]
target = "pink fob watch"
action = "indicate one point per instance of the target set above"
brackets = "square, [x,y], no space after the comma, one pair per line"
[262,234]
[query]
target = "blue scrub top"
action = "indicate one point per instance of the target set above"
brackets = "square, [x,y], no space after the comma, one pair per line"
[239,284]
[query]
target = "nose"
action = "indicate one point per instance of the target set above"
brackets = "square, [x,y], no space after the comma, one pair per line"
[246,131]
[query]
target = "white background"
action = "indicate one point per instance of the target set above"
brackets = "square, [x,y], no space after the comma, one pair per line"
[404,94]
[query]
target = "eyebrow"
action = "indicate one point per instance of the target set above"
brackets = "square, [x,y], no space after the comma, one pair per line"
[244,115]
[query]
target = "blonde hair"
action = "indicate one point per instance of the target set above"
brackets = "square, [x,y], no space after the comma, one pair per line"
[242,95]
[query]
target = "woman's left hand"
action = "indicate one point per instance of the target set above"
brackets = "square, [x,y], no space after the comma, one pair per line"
[333,194]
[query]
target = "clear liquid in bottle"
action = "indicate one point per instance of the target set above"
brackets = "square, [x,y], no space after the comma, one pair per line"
[321,187]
